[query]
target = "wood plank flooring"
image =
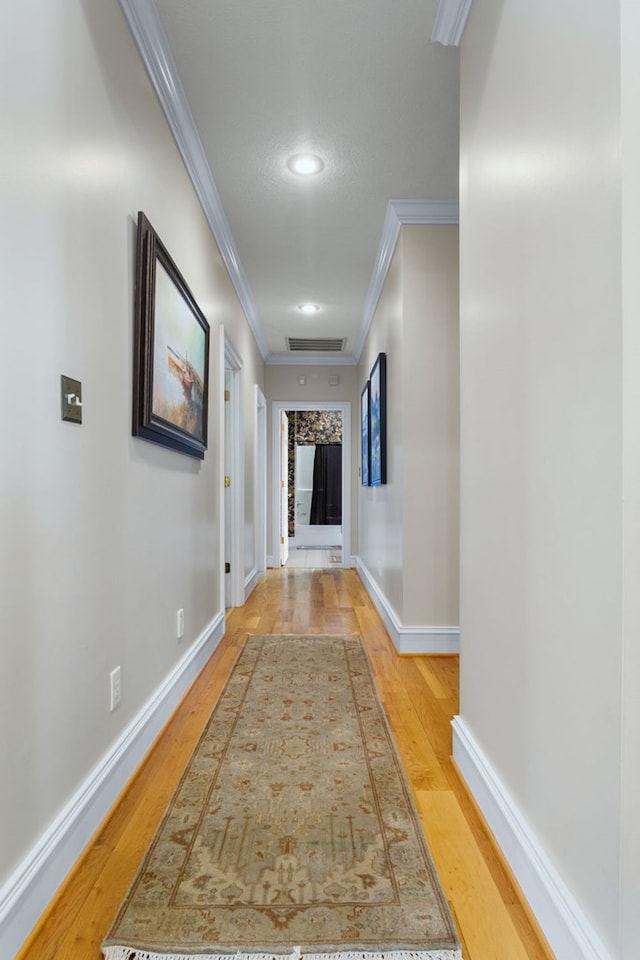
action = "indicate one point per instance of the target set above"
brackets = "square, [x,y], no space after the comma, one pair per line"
[420,697]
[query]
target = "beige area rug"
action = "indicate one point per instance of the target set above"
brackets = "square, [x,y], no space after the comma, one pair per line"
[292,831]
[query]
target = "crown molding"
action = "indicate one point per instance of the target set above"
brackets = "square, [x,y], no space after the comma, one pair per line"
[399,212]
[153,46]
[450,22]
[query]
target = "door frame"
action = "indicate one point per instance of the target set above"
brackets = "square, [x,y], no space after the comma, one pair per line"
[260,454]
[234,463]
[283,489]
[344,407]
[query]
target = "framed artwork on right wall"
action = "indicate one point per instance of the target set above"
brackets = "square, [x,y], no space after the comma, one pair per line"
[378,421]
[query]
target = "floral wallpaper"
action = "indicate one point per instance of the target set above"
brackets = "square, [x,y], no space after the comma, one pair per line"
[308,427]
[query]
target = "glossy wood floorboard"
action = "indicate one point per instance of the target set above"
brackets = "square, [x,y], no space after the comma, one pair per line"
[420,697]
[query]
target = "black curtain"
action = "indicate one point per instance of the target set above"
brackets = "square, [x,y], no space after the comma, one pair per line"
[326,497]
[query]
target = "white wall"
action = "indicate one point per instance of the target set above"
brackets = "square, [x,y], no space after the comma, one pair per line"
[430,425]
[541,447]
[630,835]
[408,528]
[104,536]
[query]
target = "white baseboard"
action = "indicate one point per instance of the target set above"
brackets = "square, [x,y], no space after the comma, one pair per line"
[28,891]
[250,582]
[411,640]
[565,926]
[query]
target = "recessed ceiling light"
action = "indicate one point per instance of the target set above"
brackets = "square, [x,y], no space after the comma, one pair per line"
[305,164]
[308,308]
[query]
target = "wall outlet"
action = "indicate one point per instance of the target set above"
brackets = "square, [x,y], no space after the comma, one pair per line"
[115,688]
[180,624]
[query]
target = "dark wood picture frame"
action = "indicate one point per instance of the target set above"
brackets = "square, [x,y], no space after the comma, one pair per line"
[378,421]
[171,352]
[365,447]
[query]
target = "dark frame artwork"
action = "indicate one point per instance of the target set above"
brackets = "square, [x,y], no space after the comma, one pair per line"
[365,447]
[171,352]
[378,421]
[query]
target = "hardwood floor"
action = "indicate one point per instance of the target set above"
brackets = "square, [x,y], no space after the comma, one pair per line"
[420,697]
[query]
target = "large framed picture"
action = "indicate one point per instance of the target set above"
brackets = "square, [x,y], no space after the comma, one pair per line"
[365,415]
[378,421]
[171,352]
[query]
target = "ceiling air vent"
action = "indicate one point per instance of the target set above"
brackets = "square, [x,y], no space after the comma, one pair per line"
[320,344]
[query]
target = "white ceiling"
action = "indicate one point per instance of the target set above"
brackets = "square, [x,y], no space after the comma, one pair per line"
[357,82]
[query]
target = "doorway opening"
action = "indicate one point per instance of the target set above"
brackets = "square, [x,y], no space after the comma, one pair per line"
[312,487]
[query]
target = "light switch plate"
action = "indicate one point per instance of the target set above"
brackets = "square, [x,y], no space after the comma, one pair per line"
[71,399]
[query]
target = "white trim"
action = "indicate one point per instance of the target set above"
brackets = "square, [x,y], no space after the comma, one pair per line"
[411,640]
[250,582]
[232,358]
[398,213]
[425,211]
[344,407]
[451,19]
[311,359]
[260,480]
[217,365]
[153,46]
[565,926]
[27,892]
[234,451]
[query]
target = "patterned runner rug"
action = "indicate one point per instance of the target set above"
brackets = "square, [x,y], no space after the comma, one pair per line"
[292,831]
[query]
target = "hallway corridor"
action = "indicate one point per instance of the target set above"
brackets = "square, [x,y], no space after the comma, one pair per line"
[419,695]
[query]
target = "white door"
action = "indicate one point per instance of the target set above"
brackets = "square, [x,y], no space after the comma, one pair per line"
[284,488]
[261,480]
[228,470]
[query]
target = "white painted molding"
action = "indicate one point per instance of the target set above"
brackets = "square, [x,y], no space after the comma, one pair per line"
[398,213]
[565,926]
[306,360]
[233,499]
[425,211]
[250,583]
[408,640]
[27,892]
[451,19]
[260,480]
[151,40]
[232,358]
[217,375]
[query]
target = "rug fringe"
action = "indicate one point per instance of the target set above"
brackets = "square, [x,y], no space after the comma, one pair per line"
[133,953]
